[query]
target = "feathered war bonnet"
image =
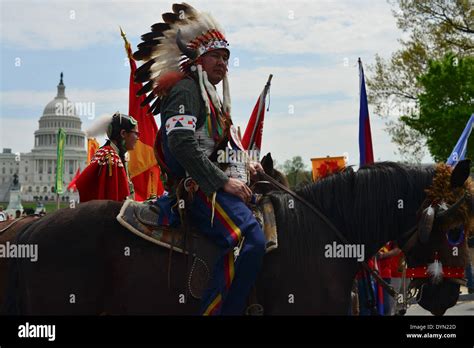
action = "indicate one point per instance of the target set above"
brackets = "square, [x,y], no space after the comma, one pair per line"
[172,50]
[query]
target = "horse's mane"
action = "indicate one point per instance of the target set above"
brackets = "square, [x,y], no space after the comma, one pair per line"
[376,204]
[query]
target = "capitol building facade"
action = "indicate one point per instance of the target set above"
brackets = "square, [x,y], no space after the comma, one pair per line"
[36,170]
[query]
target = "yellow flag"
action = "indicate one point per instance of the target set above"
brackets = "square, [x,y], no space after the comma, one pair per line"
[92,147]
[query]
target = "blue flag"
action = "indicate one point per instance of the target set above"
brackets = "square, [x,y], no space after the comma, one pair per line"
[365,137]
[459,151]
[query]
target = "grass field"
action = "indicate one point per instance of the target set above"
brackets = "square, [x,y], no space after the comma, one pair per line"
[49,206]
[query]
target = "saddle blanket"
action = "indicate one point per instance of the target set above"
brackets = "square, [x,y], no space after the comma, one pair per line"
[149,220]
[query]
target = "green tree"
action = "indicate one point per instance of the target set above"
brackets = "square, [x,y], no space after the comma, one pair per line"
[434,28]
[446,103]
[295,171]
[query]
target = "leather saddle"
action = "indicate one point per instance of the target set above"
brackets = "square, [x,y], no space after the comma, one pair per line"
[146,221]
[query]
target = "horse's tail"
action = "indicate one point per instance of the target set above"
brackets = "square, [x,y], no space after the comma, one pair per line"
[12,303]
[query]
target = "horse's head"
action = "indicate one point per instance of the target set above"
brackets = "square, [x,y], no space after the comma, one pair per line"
[261,185]
[437,253]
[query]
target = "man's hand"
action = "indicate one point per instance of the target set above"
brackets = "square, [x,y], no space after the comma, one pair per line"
[254,168]
[239,189]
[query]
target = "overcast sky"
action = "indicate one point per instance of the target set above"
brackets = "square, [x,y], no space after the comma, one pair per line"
[311,48]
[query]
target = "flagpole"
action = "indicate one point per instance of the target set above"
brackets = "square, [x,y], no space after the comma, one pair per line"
[143,167]
[359,65]
[128,48]
[260,107]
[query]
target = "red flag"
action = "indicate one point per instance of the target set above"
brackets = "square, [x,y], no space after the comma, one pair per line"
[252,138]
[143,168]
[252,127]
[72,184]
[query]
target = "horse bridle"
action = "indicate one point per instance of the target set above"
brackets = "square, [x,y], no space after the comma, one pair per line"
[412,236]
[453,273]
[411,232]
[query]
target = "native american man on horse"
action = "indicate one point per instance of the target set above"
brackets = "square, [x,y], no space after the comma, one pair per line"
[195,125]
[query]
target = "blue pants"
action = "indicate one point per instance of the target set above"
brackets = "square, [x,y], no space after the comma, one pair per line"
[233,220]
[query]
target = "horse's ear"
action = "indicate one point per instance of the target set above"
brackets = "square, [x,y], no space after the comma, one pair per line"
[267,163]
[460,173]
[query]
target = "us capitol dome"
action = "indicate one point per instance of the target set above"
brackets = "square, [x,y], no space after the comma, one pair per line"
[36,170]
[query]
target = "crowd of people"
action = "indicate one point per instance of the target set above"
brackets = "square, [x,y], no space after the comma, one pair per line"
[5,216]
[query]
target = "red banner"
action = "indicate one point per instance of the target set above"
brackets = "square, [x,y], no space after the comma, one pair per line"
[142,166]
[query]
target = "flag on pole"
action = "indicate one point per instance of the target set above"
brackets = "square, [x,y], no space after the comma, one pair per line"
[92,147]
[143,168]
[459,151]
[58,186]
[365,137]
[252,139]
[366,154]
[72,184]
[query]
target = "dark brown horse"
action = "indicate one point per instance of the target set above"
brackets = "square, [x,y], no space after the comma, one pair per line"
[10,229]
[89,264]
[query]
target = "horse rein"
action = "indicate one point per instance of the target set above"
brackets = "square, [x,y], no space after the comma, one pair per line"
[339,235]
